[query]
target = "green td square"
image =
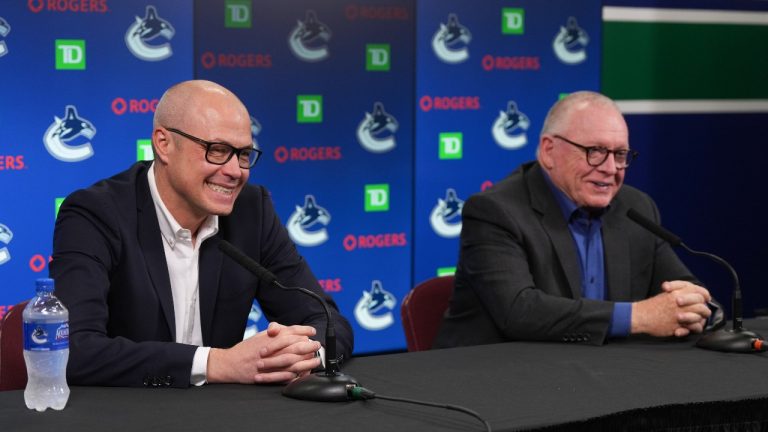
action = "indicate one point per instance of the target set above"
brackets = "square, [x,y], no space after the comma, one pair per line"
[512,21]
[377,197]
[70,54]
[237,14]
[377,57]
[57,205]
[144,150]
[451,145]
[309,108]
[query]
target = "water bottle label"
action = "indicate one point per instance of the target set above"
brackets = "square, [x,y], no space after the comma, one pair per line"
[46,336]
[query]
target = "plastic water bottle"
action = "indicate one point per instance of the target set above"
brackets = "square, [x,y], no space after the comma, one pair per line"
[46,349]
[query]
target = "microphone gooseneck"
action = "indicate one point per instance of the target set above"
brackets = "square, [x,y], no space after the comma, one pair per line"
[737,339]
[327,386]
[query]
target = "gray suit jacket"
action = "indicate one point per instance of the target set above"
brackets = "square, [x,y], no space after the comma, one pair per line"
[518,276]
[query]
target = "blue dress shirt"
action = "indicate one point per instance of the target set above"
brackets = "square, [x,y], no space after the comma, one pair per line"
[585,228]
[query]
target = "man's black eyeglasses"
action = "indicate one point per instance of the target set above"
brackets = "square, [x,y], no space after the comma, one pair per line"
[596,155]
[219,153]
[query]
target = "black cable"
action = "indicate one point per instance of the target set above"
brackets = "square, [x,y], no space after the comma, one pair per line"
[362,393]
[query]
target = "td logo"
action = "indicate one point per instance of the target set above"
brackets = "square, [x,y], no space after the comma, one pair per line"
[377,197]
[309,108]
[512,21]
[57,205]
[70,54]
[377,57]
[451,145]
[237,14]
[144,150]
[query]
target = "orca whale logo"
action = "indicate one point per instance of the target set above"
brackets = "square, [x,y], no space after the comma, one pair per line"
[308,40]
[570,43]
[63,131]
[252,327]
[374,309]
[509,128]
[147,29]
[445,217]
[39,336]
[5,28]
[450,41]
[306,217]
[376,131]
[5,237]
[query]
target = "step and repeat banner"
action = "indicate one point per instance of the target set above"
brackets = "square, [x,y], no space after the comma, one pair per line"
[377,119]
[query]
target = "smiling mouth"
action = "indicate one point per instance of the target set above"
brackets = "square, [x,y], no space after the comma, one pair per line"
[601,185]
[220,189]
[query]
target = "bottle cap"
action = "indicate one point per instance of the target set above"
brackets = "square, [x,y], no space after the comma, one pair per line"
[44,284]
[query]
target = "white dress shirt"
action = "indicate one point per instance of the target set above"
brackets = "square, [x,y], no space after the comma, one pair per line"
[182,258]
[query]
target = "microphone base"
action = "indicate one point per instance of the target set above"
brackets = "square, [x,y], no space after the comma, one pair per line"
[320,387]
[739,341]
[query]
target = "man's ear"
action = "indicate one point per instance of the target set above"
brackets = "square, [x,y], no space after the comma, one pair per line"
[161,144]
[546,147]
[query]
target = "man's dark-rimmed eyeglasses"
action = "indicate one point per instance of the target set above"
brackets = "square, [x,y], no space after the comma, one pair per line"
[219,153]
[596,155]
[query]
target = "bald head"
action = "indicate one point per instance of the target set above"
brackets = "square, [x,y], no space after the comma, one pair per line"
[560,113]
[182,104]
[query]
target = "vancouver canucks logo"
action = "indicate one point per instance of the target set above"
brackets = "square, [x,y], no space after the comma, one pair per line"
[374,309]
[450,41]
[5,28]
[376,132]
[308,40]
[39,336]
[5,237]
[252,327]
[570,43]
[446,215]
[509,128]
[300,224]
[71,128]
[145,30]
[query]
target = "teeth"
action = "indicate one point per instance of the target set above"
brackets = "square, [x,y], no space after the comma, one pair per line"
[219,189]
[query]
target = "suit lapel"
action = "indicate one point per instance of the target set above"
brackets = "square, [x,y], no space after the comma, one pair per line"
[209,271]
[151,244]
[616,249]
[556,227]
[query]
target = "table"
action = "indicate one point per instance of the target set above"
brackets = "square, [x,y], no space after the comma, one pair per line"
[634,384]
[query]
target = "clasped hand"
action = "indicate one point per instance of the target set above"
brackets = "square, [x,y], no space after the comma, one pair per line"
[680,309]
[278,354]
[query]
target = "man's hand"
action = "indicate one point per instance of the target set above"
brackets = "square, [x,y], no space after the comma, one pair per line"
[278,354]
[678,311]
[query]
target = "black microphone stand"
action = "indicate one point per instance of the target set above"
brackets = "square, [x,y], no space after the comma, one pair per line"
[329,385]
[736,339]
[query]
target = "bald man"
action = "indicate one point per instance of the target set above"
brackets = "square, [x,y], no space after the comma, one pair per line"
[549,254]
[152,301]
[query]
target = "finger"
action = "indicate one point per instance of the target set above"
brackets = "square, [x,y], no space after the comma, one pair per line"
[689,299]
[688,318]
[273,329]
[682,332]
[696,328]
[701,310]
[291,363]
[274,377]
[687,287]
[282,361]
[290,345]
[301,330]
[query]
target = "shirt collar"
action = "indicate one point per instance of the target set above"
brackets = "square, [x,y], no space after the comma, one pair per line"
[170,229]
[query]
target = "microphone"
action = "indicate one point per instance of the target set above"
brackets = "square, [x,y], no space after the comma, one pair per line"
[329,385]
[738,339]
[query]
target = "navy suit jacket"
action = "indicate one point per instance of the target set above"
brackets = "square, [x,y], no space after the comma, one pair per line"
[110,271]
[518,275]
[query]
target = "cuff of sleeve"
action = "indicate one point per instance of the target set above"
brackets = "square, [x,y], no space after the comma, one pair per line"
[200,366]
[621,321]
[321,354]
